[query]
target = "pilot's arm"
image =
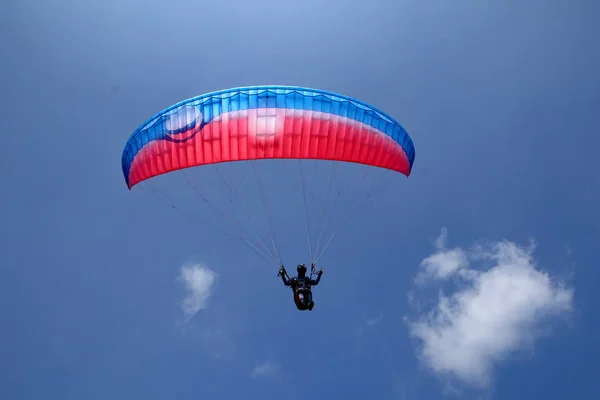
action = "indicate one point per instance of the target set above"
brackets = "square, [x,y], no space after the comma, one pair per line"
[282,274]
[315,282]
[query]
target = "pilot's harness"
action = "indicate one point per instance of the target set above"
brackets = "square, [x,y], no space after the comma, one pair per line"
[283,272]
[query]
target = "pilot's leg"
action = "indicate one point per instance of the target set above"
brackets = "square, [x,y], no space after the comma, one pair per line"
[309,301]
[299,301]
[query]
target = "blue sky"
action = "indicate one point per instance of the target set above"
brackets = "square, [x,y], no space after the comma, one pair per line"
[501,100]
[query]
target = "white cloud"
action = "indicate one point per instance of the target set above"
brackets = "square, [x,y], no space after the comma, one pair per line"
[443,265]
[198,281]
[500,310]
[267,368]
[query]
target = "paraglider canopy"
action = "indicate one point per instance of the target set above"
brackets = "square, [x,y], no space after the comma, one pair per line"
[262,122]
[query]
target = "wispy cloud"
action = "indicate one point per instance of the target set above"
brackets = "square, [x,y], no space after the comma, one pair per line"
[376,320]
[370,323]
[198,281]
[494,312]
[268,369]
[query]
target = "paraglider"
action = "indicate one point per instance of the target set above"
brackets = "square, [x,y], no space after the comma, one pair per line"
[242,125]
[301,285]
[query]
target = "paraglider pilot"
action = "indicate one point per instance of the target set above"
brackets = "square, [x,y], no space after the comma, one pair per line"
[301,285]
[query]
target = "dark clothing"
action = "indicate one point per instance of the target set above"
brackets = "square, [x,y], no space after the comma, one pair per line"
[303,300]
[300,283]
[302,290]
